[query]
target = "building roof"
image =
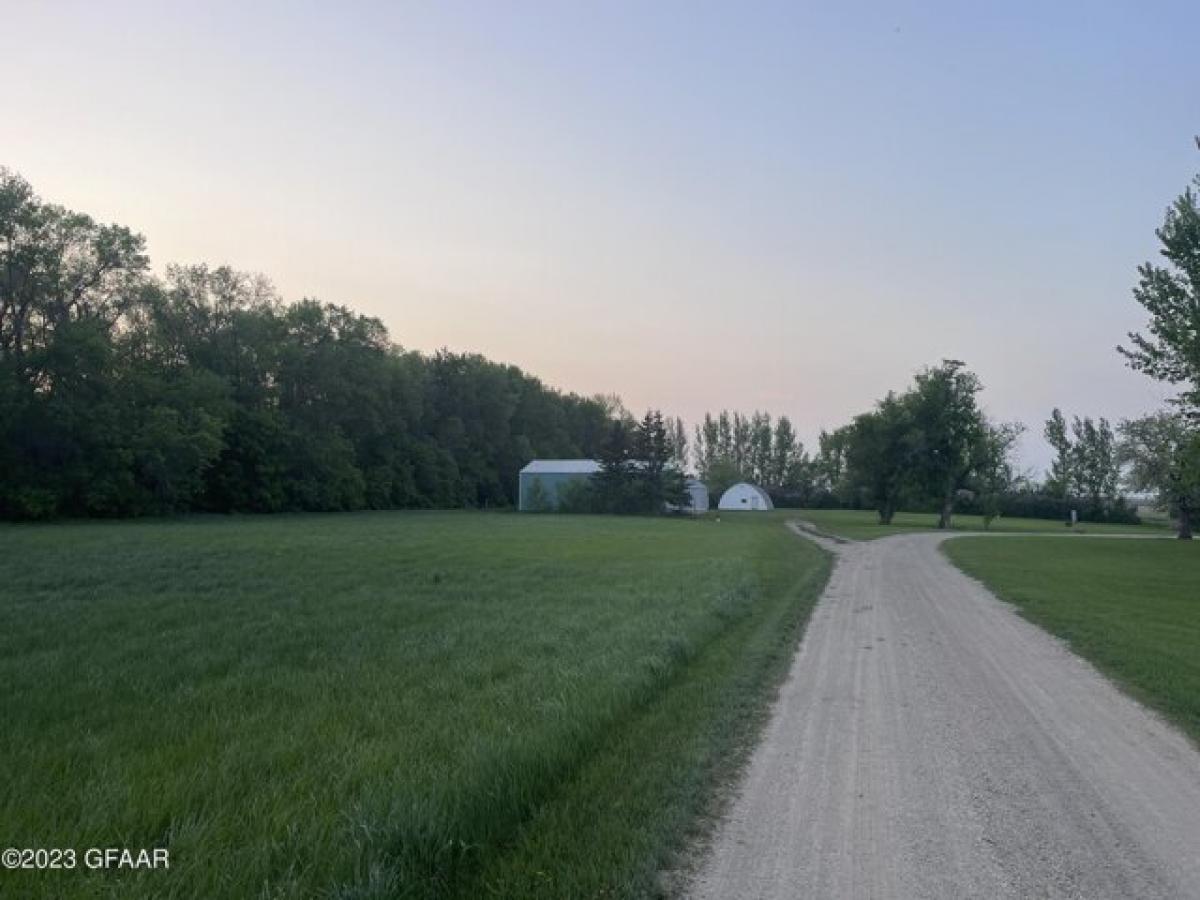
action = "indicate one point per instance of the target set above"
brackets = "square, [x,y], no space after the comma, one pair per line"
[562,466]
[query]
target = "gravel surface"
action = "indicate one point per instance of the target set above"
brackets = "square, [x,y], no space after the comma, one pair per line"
[931,743]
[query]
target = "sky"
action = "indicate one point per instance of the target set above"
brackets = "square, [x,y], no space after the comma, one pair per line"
[789,207]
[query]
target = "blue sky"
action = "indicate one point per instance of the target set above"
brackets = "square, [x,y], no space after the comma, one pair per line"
[781,206]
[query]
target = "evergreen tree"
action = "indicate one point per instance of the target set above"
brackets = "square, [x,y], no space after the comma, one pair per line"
[660,478]
[613,485]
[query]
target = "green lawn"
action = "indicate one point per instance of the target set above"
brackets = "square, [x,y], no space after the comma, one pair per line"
[385,704]
[1131,607]
[863,524]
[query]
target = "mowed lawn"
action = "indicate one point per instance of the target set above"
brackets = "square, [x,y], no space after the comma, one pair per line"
[863,524]
[385,704]
[1132,607]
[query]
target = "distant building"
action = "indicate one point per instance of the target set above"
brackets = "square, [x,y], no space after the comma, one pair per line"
[542,481]
[745,496]
[697,498]
[697,495]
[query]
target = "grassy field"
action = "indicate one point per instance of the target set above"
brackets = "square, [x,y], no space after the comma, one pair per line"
[863,524]
[1131,607]
[386,704]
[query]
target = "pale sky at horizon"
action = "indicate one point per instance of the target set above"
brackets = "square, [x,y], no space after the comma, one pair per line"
[694,206]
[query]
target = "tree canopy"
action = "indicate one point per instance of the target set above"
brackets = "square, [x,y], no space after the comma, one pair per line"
[639,472]
[930,444]
[1170,293]
[1086,467]
[879,455]
[1163,454]
[125,393]
[732,447]
[949,432]
[1163,450]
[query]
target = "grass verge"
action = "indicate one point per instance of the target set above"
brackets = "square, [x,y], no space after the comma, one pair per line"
[387,704]
[1130,607]
[863,524]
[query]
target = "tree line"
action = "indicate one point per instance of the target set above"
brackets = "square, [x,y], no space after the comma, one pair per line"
[932,447]
[127,393]
[731,447]
[932,444]
[123,393]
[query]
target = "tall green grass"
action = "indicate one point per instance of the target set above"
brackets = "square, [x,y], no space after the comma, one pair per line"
[1131,607]
[384,705]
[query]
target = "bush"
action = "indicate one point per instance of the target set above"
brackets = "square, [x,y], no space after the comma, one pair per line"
[1037,505]
[577,497]
[537,501]
[1017,504]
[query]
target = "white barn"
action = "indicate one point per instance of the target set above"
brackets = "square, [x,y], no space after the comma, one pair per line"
[744,495]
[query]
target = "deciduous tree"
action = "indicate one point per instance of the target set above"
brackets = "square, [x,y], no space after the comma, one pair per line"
[879,455]
[948,432]
[1060,479]
[1170,292]
[1096,466]
[122,393]
[994,476]
[1163,456]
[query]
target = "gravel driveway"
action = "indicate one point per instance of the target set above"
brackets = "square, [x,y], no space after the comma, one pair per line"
[931,743]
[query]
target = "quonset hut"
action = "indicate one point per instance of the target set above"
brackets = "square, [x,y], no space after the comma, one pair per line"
[541,482]
[744,495]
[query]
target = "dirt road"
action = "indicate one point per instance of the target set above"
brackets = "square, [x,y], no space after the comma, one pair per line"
[930,743]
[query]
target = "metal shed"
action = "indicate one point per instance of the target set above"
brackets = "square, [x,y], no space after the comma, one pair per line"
[548,477]
[697,495]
